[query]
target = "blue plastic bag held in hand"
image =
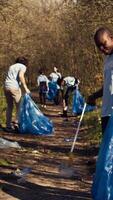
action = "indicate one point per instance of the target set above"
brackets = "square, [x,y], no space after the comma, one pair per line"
[32,120]
[78,103]
[102,188]
[52,90]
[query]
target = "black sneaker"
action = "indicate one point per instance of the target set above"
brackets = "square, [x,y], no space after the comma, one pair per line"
[64,113]
[16,129]
[15,126]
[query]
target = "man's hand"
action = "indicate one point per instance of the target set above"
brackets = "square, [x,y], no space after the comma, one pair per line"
[28,91]
[91,100]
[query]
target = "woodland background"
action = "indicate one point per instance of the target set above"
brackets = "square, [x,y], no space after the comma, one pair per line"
[54,33]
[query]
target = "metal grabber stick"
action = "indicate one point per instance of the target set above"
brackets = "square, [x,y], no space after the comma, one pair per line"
[77,131]
[66,169]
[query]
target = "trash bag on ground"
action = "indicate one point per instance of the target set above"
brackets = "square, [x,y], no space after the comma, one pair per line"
[78,103]
[102,188]
[32,120]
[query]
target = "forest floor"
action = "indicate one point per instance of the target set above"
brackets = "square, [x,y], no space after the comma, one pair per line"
[45,156]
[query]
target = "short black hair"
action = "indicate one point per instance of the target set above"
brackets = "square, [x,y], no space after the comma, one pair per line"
[41,71]
[98,34]
[22,60]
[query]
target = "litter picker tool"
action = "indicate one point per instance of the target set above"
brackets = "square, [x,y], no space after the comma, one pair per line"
[66,168]
[78,128]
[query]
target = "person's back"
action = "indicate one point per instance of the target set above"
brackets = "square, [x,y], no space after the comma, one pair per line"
[55,75]
[12,79]
[42,78]
[69,80]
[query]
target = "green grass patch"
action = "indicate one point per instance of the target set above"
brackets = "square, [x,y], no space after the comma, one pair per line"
[3,107]
[92,122]
[4,162]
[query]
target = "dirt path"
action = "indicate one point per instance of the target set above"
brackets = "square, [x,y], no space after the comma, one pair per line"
[45,154]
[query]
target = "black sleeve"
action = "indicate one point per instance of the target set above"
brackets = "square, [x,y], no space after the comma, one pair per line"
[91,100]
[98,94]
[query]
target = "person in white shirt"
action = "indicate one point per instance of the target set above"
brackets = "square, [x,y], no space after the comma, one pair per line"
[55,75]
[42,82]
[104,41]
[71,84]
[12,88]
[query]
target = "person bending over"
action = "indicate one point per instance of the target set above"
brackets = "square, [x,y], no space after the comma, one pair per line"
[71,84]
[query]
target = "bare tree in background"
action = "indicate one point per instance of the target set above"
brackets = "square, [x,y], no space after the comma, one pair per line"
[54,32]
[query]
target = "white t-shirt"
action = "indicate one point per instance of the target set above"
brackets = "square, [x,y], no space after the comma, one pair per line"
[12,79]
[54,76]
[107,99]
[69,81]
[42,78]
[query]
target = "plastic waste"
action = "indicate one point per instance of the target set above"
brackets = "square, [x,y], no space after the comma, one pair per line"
[102,188]
[52,90]
[6,144]
[21,174]
[32,120]
[78,103]
[68,139]
[66,170]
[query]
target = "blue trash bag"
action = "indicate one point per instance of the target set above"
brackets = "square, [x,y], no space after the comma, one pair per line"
[102,188]
[52,90]
[32,120]
[78,103]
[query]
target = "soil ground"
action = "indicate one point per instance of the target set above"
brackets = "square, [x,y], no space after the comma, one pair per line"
[45,155]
